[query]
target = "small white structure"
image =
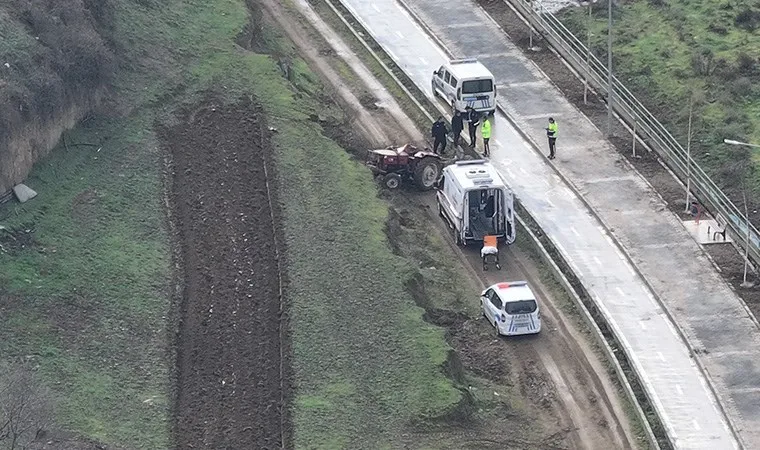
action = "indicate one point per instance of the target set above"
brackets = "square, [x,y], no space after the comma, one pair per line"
[24,193]
[511,308]
[475,202]
[466,82]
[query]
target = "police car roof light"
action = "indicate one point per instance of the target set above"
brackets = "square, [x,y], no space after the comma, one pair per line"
[470,162]
[463,61]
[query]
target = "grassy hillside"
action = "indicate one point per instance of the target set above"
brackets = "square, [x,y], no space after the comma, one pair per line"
[87,298]
[668,52]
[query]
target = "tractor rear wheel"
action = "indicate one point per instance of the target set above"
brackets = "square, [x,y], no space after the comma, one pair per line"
[426,173]
[392,180]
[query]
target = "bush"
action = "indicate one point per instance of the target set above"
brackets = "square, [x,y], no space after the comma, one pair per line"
[748,19]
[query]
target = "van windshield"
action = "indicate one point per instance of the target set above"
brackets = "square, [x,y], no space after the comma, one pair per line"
[477,86]
[521,307]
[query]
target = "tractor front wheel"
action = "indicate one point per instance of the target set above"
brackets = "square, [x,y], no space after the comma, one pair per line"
[392,181]
[427,171]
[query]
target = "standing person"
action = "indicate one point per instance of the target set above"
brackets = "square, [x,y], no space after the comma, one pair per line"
[485,131]
[552,131]
[439,132]
[457,125]
[472,117]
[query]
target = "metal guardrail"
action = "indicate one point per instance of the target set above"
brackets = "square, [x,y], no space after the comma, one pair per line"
[646,127]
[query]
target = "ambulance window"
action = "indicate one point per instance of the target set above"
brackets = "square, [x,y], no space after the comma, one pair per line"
[447,77]
[453,82]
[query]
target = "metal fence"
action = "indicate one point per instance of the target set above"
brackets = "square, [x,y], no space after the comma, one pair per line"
[646,127]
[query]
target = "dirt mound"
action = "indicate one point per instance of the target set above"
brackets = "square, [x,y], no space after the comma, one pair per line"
[231,375]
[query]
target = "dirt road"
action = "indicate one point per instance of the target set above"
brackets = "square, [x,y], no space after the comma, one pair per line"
[557,373]
[230,368]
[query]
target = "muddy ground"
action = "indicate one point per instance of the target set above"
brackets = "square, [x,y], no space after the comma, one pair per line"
[556,376]
[231,375]
[726,257]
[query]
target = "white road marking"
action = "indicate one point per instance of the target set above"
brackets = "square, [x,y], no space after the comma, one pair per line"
[375,7]
[597,260]
[575,231]
[398,33]
[620,291]
[643,325]
[678,388]
[522,169]
[496,142]
[696,425]
[423,60]
[662,358]
[392,55]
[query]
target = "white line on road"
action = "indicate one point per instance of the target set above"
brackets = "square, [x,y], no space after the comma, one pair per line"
[423,60]
[398,33]
[393,56]
[696,425]
[597,260]
[678,388]
[498,144]
[575,231]
[643,325]
[620,291]
[662,358]
[375,7]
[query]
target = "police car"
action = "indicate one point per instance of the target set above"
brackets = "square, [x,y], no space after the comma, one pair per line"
[512,308]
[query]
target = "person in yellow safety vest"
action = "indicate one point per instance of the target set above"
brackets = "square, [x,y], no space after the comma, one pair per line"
[485,131]
[552,131]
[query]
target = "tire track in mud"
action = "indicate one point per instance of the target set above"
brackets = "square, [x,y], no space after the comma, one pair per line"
[230,381]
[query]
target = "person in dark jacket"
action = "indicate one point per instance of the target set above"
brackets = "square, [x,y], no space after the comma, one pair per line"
[473,119]
[439,132]
[457,125]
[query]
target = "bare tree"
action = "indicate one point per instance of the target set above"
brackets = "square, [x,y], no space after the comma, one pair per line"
[25,408]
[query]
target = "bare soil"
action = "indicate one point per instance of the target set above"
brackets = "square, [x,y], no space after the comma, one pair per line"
[231,373]
[646,163]
[557,376]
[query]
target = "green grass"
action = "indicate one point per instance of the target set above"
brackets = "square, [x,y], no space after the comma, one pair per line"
[667,52]
[90,301]
[365,363]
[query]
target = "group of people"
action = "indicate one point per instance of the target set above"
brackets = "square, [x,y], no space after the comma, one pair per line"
[474,119]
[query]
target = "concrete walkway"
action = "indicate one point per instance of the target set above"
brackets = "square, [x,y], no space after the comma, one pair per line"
[664,253]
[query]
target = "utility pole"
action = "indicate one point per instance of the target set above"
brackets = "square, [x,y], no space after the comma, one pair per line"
[688,154]
[609,68]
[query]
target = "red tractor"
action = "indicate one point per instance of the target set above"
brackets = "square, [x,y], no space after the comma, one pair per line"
[392,165]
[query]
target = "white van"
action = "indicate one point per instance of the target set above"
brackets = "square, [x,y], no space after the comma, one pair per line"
[466,82]
[475,202]
[511,308]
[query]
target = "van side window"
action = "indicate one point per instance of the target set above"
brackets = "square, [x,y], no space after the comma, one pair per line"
[495,300]
[447,77]
[453,82]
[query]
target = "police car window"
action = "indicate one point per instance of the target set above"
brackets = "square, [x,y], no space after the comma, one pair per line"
[521,307]
[477,86]
[495,300]
[453,82]
[447,77]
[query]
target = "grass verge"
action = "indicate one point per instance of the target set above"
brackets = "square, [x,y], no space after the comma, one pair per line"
[673,53]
